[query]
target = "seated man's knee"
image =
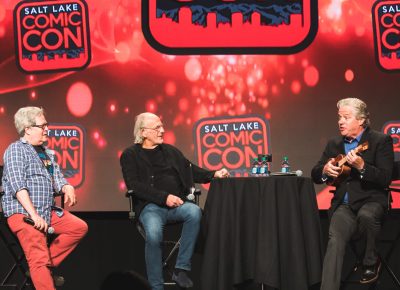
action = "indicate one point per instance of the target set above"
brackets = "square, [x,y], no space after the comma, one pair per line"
[82,228]
[368,216]
[193,212]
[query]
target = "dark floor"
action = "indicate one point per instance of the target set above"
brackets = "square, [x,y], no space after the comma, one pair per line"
[113,244]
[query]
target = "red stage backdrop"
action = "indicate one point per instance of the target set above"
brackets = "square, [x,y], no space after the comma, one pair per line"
[295,93]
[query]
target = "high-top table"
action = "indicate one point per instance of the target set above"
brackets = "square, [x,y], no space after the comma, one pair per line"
[264,230]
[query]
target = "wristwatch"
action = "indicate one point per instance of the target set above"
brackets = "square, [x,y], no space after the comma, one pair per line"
[362,171]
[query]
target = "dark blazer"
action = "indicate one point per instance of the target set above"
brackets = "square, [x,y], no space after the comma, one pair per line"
[138,174]
[371,185]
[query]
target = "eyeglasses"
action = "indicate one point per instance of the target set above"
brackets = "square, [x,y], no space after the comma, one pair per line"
[42,126]
[156,128]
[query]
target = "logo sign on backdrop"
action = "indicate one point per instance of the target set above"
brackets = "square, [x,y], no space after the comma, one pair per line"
[229,26]
[68,142]
[386,23]
[392,128]
[52,35]
[231,142]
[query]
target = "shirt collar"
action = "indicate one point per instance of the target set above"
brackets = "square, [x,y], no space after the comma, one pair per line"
[358,138]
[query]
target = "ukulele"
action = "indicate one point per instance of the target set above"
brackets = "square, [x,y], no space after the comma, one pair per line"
[340,161]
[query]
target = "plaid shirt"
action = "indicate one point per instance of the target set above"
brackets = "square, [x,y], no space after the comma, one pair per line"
[23,169]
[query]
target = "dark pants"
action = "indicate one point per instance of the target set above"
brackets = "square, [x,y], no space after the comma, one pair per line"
[344,224]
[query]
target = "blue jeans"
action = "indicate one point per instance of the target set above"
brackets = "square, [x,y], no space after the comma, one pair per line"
[153,219]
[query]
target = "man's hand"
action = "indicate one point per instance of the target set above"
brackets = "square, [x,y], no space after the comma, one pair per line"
[173,201]
[221,173]
[40,223]
[331,169]
[355,160]
[69,195]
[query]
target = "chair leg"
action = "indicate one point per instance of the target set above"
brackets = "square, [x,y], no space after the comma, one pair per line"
[18,262]
[172,252]
[390,272]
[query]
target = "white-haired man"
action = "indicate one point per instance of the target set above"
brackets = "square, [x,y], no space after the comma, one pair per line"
[161,177]
[359,202]
[30,178]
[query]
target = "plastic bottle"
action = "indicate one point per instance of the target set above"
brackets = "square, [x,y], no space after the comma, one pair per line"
[285,166]
[255,168]
[264,167]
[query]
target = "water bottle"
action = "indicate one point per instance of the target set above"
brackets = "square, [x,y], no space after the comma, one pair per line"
[264,167]
[285,166]
[255,168]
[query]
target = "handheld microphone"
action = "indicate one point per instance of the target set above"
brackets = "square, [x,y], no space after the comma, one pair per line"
[191,196]
[299,172]
[29,221]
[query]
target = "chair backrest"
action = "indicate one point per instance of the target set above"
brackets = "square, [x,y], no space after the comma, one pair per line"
[1,186]
[1,173]
[396,171]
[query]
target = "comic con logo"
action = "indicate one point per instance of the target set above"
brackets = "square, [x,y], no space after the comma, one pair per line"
[68,141]
[231,142]
[229,26]
[52,35]
[392,128]
[386,23]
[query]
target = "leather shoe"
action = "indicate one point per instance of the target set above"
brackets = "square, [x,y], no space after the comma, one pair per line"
[182,279]
[371,273]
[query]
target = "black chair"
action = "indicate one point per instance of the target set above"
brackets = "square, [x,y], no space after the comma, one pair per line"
[15,277]
[170,247]
[389,242]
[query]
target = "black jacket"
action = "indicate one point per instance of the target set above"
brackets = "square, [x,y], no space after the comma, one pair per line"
[378,160]
[138,174]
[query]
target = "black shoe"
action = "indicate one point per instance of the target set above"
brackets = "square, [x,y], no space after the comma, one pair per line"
[182,279]
[371,273]
[58,280]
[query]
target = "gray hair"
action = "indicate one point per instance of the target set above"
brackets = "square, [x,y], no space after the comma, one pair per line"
[26,117]
[359,107]
[140,123]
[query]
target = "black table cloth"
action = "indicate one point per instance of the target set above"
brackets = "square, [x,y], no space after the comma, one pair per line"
[261,229]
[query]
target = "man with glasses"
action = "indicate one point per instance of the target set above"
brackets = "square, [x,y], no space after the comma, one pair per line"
[30,179]
[161,178]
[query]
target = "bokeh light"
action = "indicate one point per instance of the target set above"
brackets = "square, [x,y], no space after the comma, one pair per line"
[193,69]
[79,99]
[33,95]
[151,106]
[295,87]
[170,88]
[311,76]
[122,52]
[349,75]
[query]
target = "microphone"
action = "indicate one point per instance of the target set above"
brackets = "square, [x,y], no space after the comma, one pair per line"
[29,221]
[190,196]
[299,172]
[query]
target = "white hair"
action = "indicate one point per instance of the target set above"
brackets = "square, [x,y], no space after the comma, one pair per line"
[140,122]
[26,117]
[359,107]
